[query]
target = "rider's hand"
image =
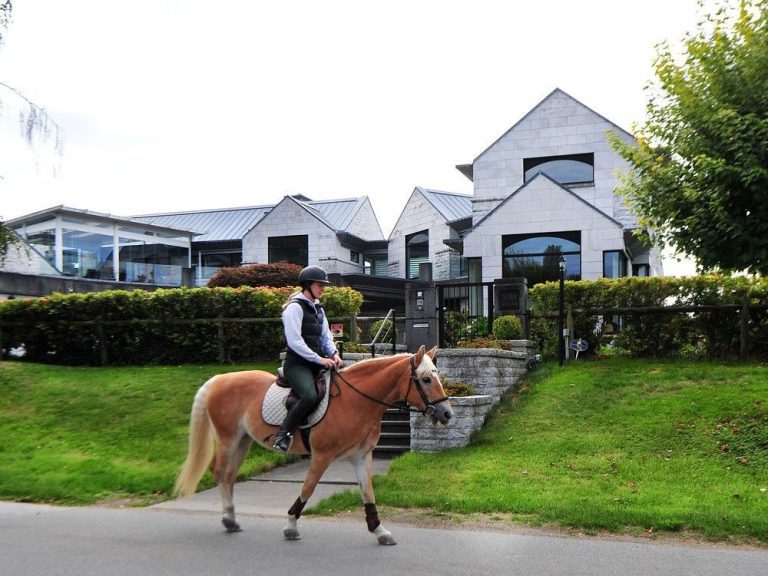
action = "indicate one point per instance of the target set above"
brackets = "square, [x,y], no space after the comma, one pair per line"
[337,360]
[327,362]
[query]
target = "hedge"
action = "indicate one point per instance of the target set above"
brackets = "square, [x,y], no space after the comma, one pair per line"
[714,333]
[172,326]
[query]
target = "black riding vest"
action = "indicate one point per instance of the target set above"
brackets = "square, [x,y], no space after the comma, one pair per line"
[311,329]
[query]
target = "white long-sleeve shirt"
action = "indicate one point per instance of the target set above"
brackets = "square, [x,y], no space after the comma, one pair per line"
[292,317]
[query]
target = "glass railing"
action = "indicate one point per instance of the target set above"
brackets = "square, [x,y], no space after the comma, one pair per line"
[165,274]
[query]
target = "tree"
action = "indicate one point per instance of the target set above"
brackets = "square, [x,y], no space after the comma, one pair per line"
[37,127]
[699,172]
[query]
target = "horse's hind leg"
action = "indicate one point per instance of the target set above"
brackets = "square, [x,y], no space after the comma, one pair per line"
[364,470]
[226,465]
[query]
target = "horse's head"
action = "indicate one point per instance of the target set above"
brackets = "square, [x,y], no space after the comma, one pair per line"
[432,400]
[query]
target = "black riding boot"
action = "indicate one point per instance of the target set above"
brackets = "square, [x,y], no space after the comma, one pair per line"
[284,437]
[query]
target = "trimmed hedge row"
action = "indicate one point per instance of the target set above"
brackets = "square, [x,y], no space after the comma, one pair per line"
[163,327]
[711,333]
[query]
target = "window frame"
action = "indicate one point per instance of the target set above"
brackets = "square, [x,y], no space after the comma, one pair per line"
[586,158]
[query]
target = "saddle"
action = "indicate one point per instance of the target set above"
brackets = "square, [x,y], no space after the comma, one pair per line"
[280,399]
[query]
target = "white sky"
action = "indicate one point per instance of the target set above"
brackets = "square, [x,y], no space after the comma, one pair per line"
[171,105]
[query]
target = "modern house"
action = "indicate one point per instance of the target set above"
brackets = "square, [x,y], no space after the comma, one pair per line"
[545,189]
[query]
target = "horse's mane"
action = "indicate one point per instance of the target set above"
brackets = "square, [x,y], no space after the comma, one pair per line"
[422,370]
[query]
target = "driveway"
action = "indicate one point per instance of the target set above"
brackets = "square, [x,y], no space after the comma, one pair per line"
[186,538]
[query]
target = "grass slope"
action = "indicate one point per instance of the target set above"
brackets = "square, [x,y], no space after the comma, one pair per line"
[79,435]
[617,445]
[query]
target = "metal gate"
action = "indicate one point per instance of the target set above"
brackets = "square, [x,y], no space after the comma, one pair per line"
[465,311]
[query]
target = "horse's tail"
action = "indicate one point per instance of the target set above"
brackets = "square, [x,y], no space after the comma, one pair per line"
[200,452]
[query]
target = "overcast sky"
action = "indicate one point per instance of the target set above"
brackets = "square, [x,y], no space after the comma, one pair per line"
[171,105]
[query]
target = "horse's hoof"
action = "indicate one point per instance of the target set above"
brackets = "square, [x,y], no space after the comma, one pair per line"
[231,524]
[384,537]
[386,540]
[291,534]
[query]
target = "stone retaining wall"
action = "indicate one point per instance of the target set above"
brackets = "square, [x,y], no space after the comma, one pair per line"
[469,415]
[491,373]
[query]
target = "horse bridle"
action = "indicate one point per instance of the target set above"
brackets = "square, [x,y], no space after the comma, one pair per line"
[429,405]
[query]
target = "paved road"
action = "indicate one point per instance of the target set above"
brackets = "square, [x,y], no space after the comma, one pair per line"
[188,540]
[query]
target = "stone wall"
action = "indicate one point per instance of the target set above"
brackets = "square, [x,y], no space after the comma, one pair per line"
[491,373]
[469,415]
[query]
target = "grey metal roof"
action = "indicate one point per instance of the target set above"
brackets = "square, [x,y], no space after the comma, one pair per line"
[217,225]
[338,214]
[234,223]
[451,205]
[79,213]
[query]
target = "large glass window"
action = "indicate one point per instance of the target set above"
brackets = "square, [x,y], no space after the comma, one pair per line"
[614,264]
[536,257]
[44,242]
[416,252]
[294,249]
[151,262]
[641,270]
[86,254]
[375,265]
[568,169]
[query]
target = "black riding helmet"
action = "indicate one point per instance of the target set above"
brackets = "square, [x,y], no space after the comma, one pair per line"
[312,274]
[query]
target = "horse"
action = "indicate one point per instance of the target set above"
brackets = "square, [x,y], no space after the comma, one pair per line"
[226,418]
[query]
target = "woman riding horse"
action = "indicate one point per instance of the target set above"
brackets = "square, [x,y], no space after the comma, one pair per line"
[310,348]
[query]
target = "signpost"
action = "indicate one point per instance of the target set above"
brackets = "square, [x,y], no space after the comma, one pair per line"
[578,346]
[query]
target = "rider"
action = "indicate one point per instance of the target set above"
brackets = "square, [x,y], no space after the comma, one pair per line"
[310,348]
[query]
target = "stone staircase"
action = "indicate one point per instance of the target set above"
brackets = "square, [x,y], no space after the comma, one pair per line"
[395,434]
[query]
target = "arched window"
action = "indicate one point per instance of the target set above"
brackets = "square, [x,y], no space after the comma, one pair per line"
[568,169]
[537,256]
[416,252]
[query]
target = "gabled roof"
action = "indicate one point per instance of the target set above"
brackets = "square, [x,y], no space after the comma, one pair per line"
[234,223]
[337,214]
[451,205]
[217,225]
[544,175]
[467,169]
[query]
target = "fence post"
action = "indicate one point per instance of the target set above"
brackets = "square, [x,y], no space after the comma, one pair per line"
[394,334]
[220,325]
[102,343]
[744,333]
[353,329]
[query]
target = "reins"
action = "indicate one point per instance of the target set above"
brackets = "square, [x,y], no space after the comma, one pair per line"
[429,404]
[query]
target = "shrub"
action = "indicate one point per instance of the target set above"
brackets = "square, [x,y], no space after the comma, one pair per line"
[709,333]
[484,342]
[276,274]
[507,328]
[162,327]
[387,333]
[457,389]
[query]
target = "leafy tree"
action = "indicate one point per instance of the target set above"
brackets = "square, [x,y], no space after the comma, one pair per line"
[37,127]
[699,174]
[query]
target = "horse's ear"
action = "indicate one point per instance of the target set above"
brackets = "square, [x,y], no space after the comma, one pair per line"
[432,353]
[420,354]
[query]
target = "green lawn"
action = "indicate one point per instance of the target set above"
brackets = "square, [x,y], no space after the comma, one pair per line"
[617,445]
[75,435]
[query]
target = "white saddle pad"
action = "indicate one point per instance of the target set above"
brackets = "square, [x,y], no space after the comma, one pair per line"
[273,410]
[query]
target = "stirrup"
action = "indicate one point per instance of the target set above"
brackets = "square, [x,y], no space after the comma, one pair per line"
[283,441]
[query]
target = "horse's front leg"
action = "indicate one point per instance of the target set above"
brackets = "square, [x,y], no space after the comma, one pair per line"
[317,467]
[364,470]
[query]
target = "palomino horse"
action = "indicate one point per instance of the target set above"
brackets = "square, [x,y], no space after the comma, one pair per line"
[229,405]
